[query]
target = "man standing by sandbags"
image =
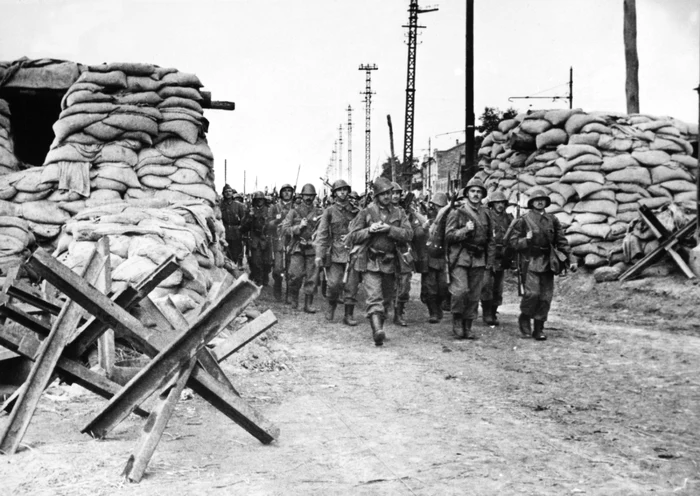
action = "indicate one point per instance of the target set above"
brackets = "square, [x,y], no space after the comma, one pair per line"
[468,233]
[378,230]
[280,241]
[256,225]
[300,224]
[434,289]
[539,238]
[497,261]
[232,214]
[333,254]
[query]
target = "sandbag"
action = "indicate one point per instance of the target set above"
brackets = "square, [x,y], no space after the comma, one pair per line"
[124,175]
[618,162]
[44,212]
[613,144]
[575,123]
[622,197]
[600,230]
[550,138]
[602,194]
[567,191]
[627,207]
[637,175]
[587,188]
[155,182]
[182,79]
[140,98]
[576,239]
[180,91]
[685,196]
[590,139]
[559,116]
[586,159]
[112,79]
[663,173]
[604,207]
[656,202]
[685,160]
[535,126]
[45,231]
[176,148]
[596,127]
[133,269]
[570,152]
[678,186]
[184,129]
[589,218]
[550,171]
[157,170]
[138,84]
[506,125]
[651,158]
[582,177]
[104,195]
[174,101]
[102,183]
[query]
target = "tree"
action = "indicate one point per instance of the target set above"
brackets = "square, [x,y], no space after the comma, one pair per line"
[489,120]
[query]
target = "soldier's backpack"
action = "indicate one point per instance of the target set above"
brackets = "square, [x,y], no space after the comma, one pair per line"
[436,234]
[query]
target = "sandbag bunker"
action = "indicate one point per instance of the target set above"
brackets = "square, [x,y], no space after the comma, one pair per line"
[598,169]
[107,199]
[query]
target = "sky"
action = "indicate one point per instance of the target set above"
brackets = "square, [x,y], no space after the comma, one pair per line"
[292,68]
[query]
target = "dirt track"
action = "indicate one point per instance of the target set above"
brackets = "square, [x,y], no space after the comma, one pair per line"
[599,408]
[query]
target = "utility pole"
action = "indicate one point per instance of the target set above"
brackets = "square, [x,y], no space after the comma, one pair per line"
[334,156]
[631,58]
[350,145]
[225,172]
[340,152]
[368,111]
[391,143]
[469,100]
[244,182]
[413,11]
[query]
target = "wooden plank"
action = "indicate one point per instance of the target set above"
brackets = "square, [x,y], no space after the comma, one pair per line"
[22,294]
[656,254]
[662,235]
[23,318]
[156,423]
[244,335]
[181,350]
[43,370]
[106,348]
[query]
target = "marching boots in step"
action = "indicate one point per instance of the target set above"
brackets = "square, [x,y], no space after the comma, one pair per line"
[457,326]
[308,301]
[432,311]
[538,333]
[467,326]
[349,319]
[330,311]
[494,317]
[524,324]
[398,314]
[486,309]
[376,320]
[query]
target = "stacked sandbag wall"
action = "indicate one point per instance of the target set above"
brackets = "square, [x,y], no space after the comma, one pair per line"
[143,233]
[598,169]
[8,161]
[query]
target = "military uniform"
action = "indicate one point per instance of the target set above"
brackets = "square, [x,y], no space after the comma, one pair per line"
[378,259]
[302,268]
[434,288]
[255,225]
[278,213]
[334,255]
[535,263]
[467,259]
[492,292]
[232,215]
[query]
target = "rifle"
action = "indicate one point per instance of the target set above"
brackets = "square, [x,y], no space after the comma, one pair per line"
[518,260]
[326,183]
[446,255]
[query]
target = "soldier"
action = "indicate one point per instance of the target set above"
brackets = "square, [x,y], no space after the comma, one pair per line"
[467,233]
[378,230]
[278,213]
[332,253]
[300,224]
[232,214]
[492,293]
[354,198]
[535,235]
[434,289]
[406,260]
[259,246]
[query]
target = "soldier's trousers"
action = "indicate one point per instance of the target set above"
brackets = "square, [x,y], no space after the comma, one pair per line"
[278,267]
[259,264]
[403,286]
[379,287]
[465,288]
[302,270]
[538,294]
[433,286]
[234,251]
[335,284]
[493,286]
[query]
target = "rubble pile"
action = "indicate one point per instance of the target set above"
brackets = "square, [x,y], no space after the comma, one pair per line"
[598,169]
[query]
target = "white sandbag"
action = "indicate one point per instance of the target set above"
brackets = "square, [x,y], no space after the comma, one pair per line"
[183,129]
[112,79]
[141,245]
[604,207]
[627,207]
[618,162]
[656,202]
[99,183]
[197,190]
[103,132]
[636,175]
[105,194]
[535,126]
[596,127]
[602,194]
[559,117]
[584,189]
[628,216]
[45,231]
[622,197]
[575,123]
[182,79]
[565,190]
[506,125]
[685,160]
[600,230]
[589,218]
[44,212]
[679,186]
[576,239]
[669,172]
[550,171]
[177,148]
[180,91]
[133,270]
[590,139]
[651,158]
[633,188]
[685,196]
[583,177]
[586,249]
[113,152]
[124,175]
[550,138]
[586,159]
[611,143]
[570,152]
[593,261]
[155,182]
[174,101]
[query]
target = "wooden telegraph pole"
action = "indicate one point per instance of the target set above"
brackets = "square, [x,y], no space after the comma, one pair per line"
[631,58]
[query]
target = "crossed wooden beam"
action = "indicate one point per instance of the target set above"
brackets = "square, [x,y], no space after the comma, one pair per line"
[178,349]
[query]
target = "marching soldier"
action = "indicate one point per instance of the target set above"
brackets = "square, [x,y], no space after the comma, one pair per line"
[300,224]
[278,212]
[378,230]
[259,247]
[434,289]
[406,262]
[492,293]
[467,233]
[331,252]
[536,235]
[232,214]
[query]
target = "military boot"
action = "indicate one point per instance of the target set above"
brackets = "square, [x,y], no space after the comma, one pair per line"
[494,316]
[457,326]
[330,311]
[438,309]
[467,326]
[294,295]
[376,320]
[349,319]
[538,333]
[524,324]
[308,301]
[486,316]
[277,289]
[398,314]
[432,311]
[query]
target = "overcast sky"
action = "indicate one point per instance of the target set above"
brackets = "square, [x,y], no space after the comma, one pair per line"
[292,67]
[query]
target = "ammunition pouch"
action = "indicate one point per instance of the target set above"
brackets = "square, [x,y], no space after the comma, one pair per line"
[380,256]
[473,249]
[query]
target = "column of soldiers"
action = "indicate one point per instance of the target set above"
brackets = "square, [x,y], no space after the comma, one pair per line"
[383,243]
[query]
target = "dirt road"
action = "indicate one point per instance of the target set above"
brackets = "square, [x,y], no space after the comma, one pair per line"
[600,408]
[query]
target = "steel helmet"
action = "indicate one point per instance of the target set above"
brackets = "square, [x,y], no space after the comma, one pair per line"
[308,189]
[475,183]
[339,184]
[539,194]
[227,187]
[258,195]
[354,195]
[497,196]
[381,185]
[396,187]
[286,186]
[439,199]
